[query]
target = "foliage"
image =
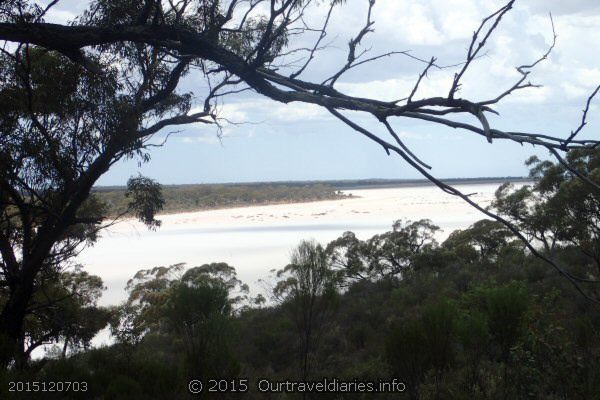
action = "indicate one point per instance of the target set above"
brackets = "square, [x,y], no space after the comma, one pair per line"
[388,255]
[191,310]
[417,346]
[62,127]
[307,286]
[146,199]
[65,311]
[484,240]
[560,208]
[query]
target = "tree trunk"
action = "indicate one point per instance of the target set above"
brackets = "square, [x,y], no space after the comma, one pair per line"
[11,325]
[64,349]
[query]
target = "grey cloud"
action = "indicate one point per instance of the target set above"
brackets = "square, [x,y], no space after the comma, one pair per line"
[562,7]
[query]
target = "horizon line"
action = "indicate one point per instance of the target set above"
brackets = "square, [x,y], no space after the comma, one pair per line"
[364,181]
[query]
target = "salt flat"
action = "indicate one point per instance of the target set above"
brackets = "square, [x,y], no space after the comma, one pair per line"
[259,238]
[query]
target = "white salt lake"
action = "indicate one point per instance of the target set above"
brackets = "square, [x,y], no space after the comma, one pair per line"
[258,239]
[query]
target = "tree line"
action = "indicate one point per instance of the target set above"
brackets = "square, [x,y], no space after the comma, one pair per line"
[181,198]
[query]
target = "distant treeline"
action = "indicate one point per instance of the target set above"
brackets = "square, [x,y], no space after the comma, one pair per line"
[380,183]
[180,198]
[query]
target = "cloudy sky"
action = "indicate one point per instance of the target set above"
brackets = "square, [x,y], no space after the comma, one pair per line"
[302,142]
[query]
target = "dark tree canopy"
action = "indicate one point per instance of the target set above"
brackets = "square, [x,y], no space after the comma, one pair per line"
[62,127]
[559,210]
[307,287]
[389,255]
[193,309]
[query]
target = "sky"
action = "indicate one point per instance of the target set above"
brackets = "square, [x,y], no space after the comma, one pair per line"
[277,142]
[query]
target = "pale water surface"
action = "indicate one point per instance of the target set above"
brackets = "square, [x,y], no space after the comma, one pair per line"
[258,239]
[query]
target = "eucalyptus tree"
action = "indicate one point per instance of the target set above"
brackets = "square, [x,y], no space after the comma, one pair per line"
[66,310]
[61,128]
[393,253]
[152,291]
[484,240]
[307,286]
[559,209]
[390,255]
[192,308]
[120,64]
[63,310]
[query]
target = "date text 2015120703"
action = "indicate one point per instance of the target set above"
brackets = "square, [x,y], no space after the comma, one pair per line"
[50,386]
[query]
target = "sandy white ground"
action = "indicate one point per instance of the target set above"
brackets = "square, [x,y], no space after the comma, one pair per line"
[369,207]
